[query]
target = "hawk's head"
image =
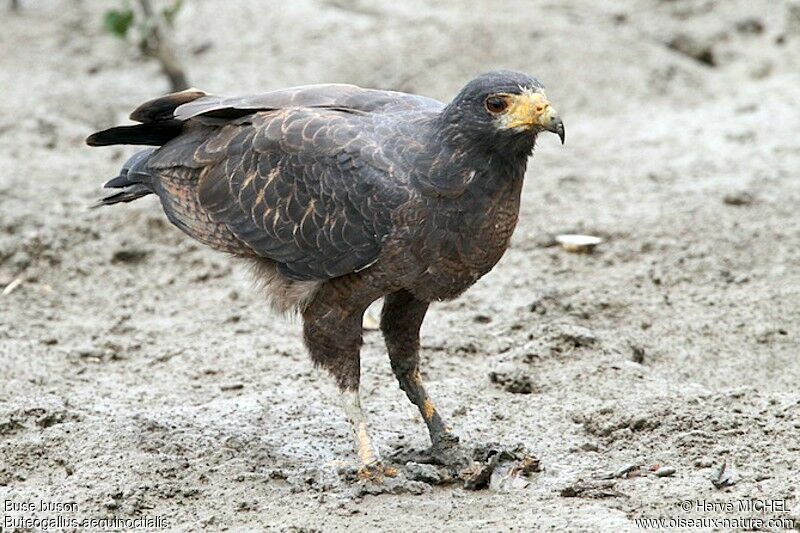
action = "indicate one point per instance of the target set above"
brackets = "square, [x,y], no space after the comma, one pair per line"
[504,107]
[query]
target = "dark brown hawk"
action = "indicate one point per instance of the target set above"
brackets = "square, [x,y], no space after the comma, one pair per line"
[343,195]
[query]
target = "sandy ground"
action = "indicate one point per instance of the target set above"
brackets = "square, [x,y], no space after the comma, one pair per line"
[141,375]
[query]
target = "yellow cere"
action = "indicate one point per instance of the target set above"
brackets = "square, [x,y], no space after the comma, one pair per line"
[528,109]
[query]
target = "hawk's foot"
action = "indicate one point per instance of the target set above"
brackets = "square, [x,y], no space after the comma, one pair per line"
[376,472]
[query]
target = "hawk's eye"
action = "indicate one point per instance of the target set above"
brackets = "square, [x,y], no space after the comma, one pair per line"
[496,104]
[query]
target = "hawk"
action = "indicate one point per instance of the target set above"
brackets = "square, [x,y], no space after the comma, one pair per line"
[342,195]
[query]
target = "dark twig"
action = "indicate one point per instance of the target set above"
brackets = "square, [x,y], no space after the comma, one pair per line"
[158,45]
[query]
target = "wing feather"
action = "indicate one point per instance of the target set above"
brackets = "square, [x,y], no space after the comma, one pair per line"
[341,97]
[315,203]
[308,176]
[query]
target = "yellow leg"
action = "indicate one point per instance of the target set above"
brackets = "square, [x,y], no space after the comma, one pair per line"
[370,462]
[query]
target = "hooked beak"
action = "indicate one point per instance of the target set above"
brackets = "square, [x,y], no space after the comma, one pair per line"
[556,126]
[532,110]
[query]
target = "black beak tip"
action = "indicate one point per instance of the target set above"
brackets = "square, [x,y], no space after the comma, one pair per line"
[560,131]
[557,127]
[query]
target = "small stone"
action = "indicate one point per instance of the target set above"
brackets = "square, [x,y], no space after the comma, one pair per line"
[625,471]
[693,48]
[738,198]
[482,319]
[246,505]
[578,244]
[513,381]
[422,472]
[231,386]
[637,353]
[704,462]
[724,476]
[590,489]
[129,255]
[665,471]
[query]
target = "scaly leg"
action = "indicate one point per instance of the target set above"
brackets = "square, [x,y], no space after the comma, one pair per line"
[332,332]
[368,457]
[401,320]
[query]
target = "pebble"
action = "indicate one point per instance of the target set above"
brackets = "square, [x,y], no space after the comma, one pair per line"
[738,198]
[724,476]
[129,255]
[422,472]
[623,472]
[694,48]
[665,471]
[578,244]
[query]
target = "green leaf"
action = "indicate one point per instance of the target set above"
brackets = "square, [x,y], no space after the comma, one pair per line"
[118,21]
[169,13]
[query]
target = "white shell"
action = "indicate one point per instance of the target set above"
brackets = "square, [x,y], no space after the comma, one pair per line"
[578,243]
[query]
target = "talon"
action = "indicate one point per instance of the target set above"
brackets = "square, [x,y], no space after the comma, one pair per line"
[370,471]
[376,472]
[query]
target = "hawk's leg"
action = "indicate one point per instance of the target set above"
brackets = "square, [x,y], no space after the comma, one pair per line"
[332,333]
[401,320]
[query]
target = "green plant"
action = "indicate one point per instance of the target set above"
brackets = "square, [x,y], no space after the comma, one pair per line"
[118,21]
[151,31]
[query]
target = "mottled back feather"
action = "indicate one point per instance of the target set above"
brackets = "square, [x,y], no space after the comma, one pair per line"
[307,177]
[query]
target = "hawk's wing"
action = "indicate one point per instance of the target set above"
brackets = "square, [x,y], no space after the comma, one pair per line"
[310,186]
[193,103]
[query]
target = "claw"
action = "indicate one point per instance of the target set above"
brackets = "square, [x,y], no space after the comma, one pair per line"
[376,472]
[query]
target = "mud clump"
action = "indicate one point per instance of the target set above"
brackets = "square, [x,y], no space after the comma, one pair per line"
[130,256]
[487,466]
[513,381]
[692,47]
[592,489]
[738,198]
[41,417]
[498,467]
[556,340]
[607,423]
[421,472]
